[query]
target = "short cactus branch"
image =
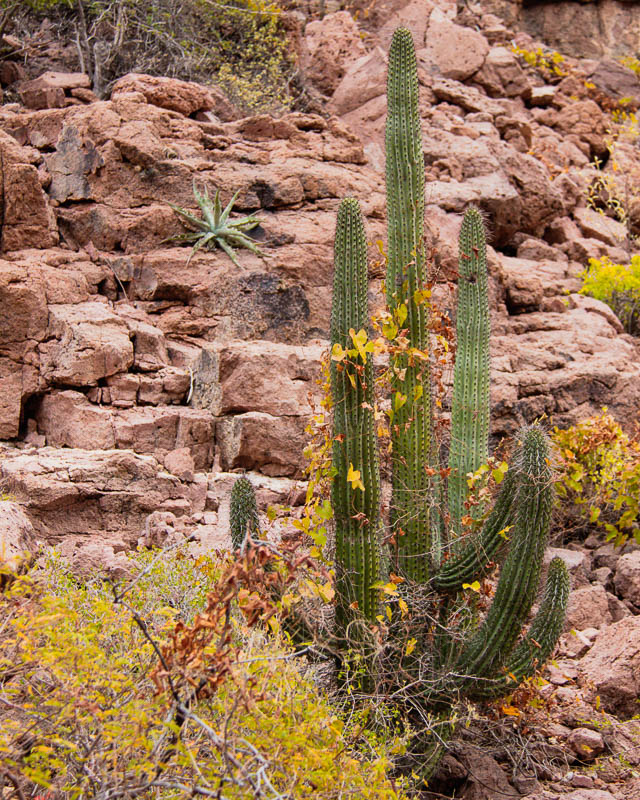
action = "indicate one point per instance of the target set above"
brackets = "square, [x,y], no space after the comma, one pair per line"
[490,647]
[470,402]
[243,514]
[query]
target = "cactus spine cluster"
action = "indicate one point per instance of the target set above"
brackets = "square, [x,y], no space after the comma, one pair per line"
[487,659]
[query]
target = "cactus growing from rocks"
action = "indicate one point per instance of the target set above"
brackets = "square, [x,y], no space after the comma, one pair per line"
[356,499]
[243,514]
[483,660]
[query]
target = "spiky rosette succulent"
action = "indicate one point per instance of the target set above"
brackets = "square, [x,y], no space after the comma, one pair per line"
[215,227]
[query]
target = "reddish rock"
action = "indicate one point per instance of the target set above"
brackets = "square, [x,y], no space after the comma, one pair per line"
[48,90]
[452,50]
[159,431]
[17,536]
[75,493]
[415,16]
[616,80]
[87,342]
[276,379]
[330,46]
[68,419]
[584,120]
[612,667]
[501,75]
[586,744]
[627,577]
[184,97]
[28,219]
[180,462]
[363,80]
[98,558]
[255,440]
[598,226]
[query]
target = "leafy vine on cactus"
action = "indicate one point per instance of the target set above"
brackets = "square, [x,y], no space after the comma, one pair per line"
[480,658]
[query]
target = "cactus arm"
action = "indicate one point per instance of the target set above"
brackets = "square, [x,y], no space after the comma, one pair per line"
[490,646]
[470,402]
[243,514]
[539,642]
[356,510]
[471,563]
[410,430]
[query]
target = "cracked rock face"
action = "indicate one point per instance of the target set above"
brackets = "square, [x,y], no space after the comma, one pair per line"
[113,339]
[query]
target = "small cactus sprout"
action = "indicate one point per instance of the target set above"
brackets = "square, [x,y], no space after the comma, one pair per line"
[243,515]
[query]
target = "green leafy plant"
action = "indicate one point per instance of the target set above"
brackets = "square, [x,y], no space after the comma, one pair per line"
[599,478]
[93,692]
[241,46]
[617,285]
[215,226]
[443,648]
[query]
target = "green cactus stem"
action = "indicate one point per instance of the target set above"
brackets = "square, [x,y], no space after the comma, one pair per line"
[489,648]
[538,644]
[355,499]
[470,402]
[411,385]
[480,551]
[243,514]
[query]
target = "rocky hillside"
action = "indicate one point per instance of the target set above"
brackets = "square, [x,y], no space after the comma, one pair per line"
[135,379]
[133,376]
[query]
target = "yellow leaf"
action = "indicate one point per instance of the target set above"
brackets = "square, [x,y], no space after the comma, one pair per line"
[404,608]
[411,646]
[360,340]
[353,477]
[389,329]
[475,586]
[510,711]
[420,296]
[399,400]
[401,313]
[337,353]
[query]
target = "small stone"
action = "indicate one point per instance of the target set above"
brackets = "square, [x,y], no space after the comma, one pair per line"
[585,743]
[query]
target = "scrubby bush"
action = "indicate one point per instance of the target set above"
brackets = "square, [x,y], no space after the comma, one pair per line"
[599,478]
[618,285]
[167,692]
[240,45]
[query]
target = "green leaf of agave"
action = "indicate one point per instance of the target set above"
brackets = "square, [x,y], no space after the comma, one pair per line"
[225,214]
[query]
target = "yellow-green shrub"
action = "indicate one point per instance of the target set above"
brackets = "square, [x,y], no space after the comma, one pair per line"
[80,714]
[599,478]
[240,45]
[618,285]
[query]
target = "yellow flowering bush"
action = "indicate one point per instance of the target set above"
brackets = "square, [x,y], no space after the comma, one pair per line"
[94,700]
[618,285]
[599,478]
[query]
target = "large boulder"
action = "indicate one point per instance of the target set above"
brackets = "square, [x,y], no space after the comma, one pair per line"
[612,667]
[330,46]
[17,536]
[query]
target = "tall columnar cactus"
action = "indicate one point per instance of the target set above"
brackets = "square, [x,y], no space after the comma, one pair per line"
[243,514]
[470,401]
[411,383]
[484,661]
[356,500]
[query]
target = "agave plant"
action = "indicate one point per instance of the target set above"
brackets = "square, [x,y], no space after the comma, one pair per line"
[215,227]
